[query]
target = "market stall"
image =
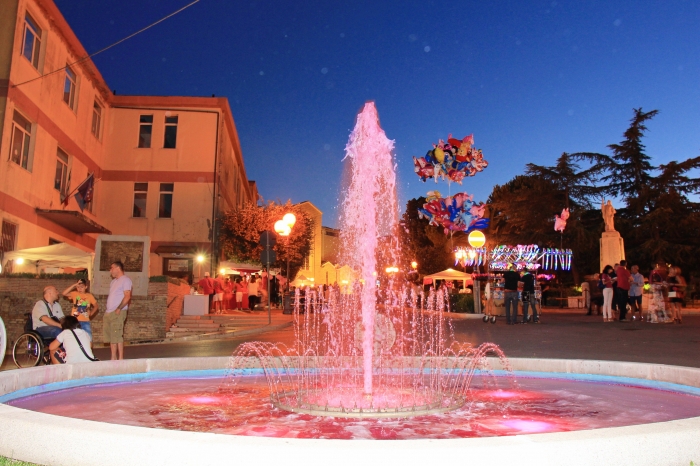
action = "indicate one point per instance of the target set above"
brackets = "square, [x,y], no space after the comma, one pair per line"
[50,259]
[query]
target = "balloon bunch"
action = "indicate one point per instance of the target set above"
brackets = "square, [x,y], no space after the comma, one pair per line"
[454,213]
[452,160]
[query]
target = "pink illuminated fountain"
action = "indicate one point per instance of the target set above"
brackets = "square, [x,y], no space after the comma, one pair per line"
[368,350]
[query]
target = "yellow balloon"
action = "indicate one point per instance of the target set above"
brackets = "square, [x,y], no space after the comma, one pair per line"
[439,154]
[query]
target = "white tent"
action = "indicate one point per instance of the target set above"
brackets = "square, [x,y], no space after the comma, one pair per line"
[450,274]
[57,255]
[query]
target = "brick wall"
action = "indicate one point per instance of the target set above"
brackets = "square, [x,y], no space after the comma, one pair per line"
[148,319]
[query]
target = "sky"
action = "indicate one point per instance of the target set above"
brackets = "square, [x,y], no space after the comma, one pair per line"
[530,79]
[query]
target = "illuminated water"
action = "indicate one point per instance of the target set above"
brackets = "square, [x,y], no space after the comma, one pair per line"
[533,405]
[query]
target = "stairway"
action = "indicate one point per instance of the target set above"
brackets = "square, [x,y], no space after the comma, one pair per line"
[200,325]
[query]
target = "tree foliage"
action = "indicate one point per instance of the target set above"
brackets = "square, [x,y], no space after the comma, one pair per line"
[425,244]
[241,229]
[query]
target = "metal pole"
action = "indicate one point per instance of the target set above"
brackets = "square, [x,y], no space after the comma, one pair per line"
[269,309]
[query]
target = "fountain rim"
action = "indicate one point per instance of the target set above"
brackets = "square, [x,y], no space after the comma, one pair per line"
[666,442]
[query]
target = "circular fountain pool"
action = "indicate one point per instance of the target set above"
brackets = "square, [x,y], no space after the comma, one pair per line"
[584,411]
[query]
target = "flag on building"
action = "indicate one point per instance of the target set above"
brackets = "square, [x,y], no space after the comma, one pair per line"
[84,193]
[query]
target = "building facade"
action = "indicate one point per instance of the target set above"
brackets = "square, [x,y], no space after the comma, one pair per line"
[165,167]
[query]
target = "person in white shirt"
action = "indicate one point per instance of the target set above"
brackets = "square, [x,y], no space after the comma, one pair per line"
[115,313]
[69,337]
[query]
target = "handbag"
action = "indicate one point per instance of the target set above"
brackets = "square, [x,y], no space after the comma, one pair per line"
[81,347]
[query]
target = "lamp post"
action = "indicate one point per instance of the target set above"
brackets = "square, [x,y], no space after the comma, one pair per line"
[200,259]
[284,228]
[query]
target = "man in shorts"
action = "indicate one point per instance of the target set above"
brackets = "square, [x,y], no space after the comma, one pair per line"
[117,306]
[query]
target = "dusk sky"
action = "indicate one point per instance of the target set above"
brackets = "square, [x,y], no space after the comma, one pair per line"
[530,79]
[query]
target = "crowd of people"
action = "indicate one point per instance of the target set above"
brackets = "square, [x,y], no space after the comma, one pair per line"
[616,288]
[242,292]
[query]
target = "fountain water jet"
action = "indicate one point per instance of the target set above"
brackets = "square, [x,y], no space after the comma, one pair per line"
[370,352]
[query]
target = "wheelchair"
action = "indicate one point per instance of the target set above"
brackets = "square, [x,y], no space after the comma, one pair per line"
[30,348]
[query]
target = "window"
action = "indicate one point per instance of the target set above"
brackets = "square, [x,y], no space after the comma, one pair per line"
[21,138]
[53,241]
[9,236]
[145,130]
[96,119]
[170,132]
[31,44]
[165,205]
[140,195]
[69,88]
[60,182]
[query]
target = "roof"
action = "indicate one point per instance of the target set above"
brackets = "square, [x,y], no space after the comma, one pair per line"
[450,274]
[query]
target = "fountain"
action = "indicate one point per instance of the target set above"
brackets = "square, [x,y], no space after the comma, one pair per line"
[368,363]
[372,352]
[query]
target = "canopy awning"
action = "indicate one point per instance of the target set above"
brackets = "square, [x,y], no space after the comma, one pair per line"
[450,274]
[73,221]
[57,255]
[232,267]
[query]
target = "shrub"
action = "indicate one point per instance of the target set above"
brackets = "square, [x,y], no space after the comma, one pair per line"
[463,303]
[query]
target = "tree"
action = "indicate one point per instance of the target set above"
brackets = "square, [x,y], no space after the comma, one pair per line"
[241,229]
[566,176]
[422,242]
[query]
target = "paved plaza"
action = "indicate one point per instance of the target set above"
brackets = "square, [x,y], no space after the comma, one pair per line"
[562,334]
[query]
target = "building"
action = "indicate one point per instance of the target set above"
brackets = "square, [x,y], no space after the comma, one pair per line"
[163,166]
[322,266]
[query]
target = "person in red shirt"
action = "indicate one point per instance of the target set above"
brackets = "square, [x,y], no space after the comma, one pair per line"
[206,286]
[218,293]
[228,294]
[623,288]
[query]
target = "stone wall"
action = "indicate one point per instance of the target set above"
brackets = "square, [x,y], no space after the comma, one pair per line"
[148,319]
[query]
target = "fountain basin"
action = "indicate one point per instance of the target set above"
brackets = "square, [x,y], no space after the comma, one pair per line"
[672,442]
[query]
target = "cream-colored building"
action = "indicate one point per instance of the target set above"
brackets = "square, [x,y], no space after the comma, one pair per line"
[321,267]
[164,166]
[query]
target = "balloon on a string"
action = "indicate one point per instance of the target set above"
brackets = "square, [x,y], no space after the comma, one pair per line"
[453,160]
[454,213]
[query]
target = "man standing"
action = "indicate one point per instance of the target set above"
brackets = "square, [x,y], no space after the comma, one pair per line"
[623,287]
[636,287]
[46,314]
[206,285]
[218,298]
[510,287]
[117,305]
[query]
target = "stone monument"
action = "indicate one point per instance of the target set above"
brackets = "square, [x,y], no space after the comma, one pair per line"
[132,251]
[612,246]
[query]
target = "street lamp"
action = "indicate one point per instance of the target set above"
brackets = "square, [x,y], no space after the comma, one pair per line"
[200,259]
[284,228]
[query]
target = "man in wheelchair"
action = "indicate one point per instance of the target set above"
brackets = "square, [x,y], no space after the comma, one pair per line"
[47,314]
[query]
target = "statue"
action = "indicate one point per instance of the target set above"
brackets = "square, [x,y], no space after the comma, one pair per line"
[608,215]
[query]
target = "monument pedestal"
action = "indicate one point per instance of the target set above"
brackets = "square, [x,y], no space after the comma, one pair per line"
[612,248]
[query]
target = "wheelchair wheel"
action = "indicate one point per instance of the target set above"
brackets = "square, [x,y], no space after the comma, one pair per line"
[28,350]
[3,341]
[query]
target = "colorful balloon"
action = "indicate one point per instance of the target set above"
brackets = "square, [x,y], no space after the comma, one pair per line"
[454,213]
[453,160]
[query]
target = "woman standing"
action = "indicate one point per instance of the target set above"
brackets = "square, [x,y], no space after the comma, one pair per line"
[228,294]
[656,305]
[239,288]
[676,293]
[85,305]
[252,292]
[607,280]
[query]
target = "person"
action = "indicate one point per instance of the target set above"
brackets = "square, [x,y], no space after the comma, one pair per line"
[252,292]
[636,287]
[275,291]
[85,305]
[239,287]
[510,286]
[228,294]
[586,295]
[623,287]
[262,288]
[69,337]
[218,296]
[657,307]
[46,314]
[608,215]
[676,293]
[613,275]
[206,286]
[544,286]
[607,279]
[596,295]
[529,297]
[115,312]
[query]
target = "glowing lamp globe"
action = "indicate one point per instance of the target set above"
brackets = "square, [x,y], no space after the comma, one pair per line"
[290,219]
[282,228]
[200,258]
[20,260]
[476,239]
